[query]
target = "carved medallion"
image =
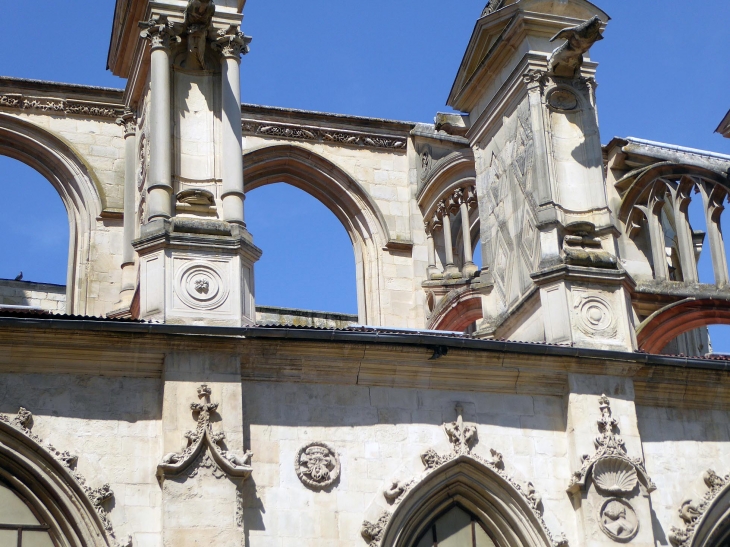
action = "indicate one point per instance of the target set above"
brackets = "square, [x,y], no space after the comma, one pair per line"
[562,99]
[595,316]
[317,465]
[200,286]
[618,520]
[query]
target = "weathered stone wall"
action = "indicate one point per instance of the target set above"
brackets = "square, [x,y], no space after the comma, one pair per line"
[379,434]
[113,425]
[679,446]
[45,296]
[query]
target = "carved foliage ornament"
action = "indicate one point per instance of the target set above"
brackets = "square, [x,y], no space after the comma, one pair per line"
[334,136]
[216,458]
[613,471]
[65,106]
[317,465]
[462,437]
[23,422]
[692,512]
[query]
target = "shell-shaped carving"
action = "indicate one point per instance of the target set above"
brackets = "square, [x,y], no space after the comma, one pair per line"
[614,475]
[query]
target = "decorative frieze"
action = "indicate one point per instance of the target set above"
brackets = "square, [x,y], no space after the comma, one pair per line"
[692,512]
[65,106]
[317,134]
[219,461]
[98,497]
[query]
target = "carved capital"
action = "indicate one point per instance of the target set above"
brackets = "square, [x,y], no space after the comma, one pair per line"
[533,78]
[232,43]
[129,122]
[159,31]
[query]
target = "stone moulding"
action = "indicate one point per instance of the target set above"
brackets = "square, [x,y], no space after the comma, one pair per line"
[613,471]
[462,436]
[65,106]
[692,513]
[322,135]
[204,448]
[23,423]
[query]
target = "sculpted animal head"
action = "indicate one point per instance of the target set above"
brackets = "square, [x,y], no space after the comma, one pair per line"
[582,37]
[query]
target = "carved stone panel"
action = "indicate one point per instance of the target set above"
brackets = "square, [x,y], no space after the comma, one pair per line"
[317,465]
[618,520]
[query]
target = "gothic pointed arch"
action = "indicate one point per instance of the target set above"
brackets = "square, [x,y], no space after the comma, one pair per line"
[75,183]
[43,478]
[341,194]
[477,487]
[707,520]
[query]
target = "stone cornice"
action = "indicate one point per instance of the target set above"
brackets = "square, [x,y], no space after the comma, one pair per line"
[373,357]
[323,135]
[86,109]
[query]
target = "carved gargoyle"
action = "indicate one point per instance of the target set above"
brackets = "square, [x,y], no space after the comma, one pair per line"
[198,17]
[567,59]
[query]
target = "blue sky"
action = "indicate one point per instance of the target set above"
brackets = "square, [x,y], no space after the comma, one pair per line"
[664,74]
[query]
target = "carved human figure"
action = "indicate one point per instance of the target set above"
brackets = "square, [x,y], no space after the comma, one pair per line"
[618,520]
[198,17]
[567,59]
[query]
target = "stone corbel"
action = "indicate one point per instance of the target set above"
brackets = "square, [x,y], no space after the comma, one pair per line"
[612,470]
[204,443]
[23,422]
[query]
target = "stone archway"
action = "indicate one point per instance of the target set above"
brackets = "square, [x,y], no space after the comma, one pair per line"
[664,325]
[73,180]
[341,194]
[27,466]
[478,488]
[457,310]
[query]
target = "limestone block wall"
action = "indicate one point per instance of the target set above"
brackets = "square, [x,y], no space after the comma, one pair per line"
[113,425]
[379,434]
[679,446]
[392,287]
[37,295]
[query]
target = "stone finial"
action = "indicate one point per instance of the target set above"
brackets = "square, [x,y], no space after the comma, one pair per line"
[567,59]
[217,458]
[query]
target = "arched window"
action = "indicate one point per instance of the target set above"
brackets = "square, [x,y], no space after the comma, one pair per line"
[35,238]
[455,527]
[19,524]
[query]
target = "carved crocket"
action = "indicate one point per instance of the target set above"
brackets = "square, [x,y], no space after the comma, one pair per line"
[578,41]
[198,17]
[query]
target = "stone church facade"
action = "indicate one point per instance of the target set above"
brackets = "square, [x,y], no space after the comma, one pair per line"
[537,400]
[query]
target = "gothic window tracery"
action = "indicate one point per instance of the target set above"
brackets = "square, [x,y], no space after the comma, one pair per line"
[19,524]
[455,527]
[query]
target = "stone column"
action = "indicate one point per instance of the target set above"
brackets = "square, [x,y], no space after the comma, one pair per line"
[159,185]
[713,198]
[129,123]
[432,270]
[450,270]
[461,196]
[681,200]
[232,44]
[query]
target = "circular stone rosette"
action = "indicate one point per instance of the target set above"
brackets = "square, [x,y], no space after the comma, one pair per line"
[618,520]
[200,286]
[317,465]
[595,316]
